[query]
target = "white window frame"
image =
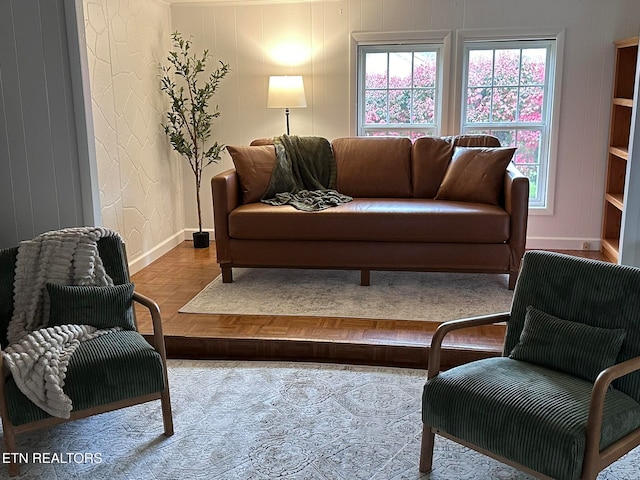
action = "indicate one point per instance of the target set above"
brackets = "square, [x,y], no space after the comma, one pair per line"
[465,37]
[433,128]
[433,39]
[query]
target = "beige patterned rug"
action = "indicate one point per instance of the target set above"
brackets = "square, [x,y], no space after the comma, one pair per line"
[253,420]
[423,296]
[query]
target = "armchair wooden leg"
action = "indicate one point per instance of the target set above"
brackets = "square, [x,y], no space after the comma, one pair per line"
[512,280]
[426,449]
[10,448]
[365,277]
[167,416]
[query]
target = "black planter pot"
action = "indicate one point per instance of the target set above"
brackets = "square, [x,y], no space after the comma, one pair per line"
[200,239]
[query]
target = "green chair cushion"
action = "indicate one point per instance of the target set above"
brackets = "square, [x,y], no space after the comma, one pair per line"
[570,347]
[112,254]
[106,369]
[524,412]
[595,293]
[102,307]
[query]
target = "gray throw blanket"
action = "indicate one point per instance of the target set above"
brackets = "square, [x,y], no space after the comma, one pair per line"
[304,175]
[38,355]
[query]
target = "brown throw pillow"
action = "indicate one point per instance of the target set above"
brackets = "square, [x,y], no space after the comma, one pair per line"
[476,175]
[253,165]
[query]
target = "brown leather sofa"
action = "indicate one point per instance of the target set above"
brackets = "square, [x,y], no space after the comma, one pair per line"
[395,221]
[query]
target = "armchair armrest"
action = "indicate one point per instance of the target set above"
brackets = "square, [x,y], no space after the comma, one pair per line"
[516,203]
[156,322]
[447,327]
[226,197]
[594,421]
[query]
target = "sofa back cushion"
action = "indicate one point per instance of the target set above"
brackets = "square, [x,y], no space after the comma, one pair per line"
[373,167]
[253,166]
[430,157]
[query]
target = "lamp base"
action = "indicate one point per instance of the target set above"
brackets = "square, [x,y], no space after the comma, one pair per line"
[286,112]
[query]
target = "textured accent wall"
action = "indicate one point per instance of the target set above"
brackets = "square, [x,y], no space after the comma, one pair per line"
[139,177]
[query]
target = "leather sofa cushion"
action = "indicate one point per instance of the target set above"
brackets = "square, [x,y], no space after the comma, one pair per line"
[387,220]
[375,167]
[254,165]
[431,157]
[476,174]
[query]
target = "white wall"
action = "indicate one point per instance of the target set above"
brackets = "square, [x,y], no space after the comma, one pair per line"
[246,36]
[42,181]
[140,179]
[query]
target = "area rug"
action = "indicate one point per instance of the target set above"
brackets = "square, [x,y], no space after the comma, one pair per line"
[424,296]
[244,420]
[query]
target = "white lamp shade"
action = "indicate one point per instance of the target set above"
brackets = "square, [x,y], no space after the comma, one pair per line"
[286,92]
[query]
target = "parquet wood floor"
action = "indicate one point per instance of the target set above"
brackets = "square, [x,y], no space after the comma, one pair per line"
[176,277]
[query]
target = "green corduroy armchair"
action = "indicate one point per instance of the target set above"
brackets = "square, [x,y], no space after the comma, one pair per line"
[563,401]
[106,373]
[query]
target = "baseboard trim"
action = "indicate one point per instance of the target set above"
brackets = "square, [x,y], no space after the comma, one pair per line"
[141,261]
[563,243]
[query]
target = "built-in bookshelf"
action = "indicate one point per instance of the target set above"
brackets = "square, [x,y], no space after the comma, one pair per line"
[622,106]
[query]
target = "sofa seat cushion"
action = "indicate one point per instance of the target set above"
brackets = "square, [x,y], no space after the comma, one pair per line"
[530,414]
[113,367]
[366,219]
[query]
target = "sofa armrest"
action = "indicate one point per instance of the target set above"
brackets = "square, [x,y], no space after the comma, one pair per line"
[516,203]
[226,197]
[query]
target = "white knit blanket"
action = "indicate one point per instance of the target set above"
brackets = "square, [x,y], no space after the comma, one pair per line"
[38,356]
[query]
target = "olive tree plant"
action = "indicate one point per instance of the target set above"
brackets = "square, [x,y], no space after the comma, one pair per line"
[189,118]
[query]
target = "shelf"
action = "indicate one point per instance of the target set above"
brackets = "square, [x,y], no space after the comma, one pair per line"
[620,126]
[615,199]
[619,152]
[622,111]
[623,102]
[610,248]
[627,42]
[626,60]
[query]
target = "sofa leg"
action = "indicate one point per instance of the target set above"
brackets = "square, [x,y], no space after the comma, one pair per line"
[365,278]
[227,274]
[513,276]
[426,449]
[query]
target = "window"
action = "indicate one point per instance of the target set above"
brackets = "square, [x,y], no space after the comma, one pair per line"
[399,90]
[507,93]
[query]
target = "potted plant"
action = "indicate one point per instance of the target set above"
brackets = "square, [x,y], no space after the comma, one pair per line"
[189,119]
